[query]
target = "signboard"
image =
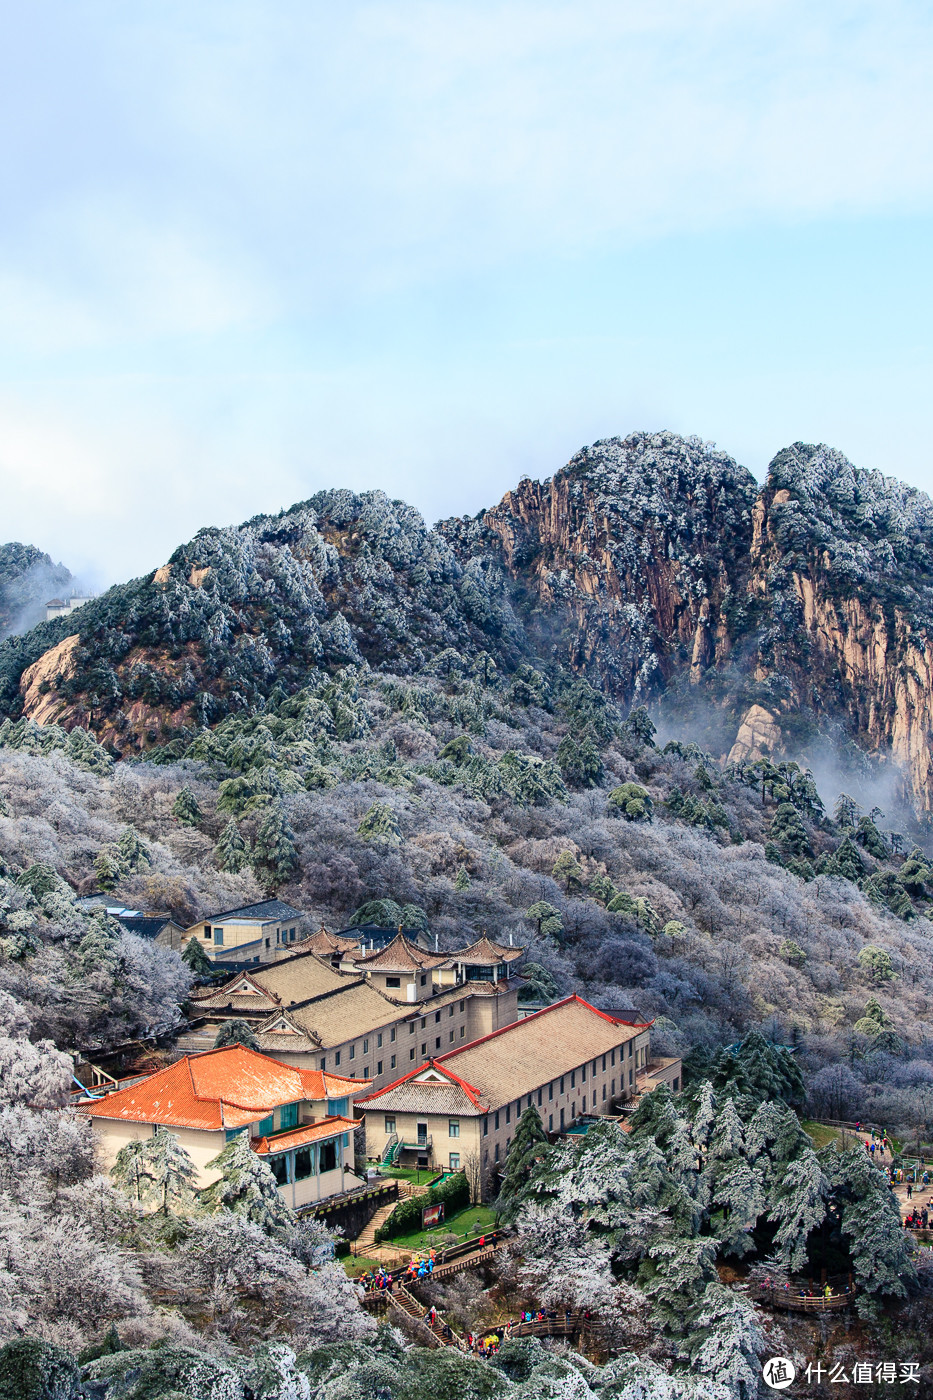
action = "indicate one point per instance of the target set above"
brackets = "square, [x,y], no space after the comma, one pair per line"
[431,1216]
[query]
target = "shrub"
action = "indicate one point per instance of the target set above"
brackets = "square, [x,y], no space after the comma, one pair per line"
[454,1193]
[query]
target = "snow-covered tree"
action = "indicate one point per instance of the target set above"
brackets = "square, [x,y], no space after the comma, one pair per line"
[380,824]
[161,1173]
[528,1144]
[194,957]
[246,1186]
[798,1206]
[235,1032]
[274,857]
[185,808]
[725,1340]
[133,854]
[33,1074]
[462,882]
[232,852]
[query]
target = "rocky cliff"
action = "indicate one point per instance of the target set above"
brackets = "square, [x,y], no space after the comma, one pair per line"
[654,565]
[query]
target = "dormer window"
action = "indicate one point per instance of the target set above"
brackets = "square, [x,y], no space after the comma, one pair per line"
[393,982]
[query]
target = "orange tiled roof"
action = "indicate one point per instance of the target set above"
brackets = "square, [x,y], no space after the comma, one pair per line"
[309,1132]
[226,1088]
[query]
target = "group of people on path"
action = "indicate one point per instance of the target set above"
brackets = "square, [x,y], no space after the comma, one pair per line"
[420,1266]
[826,1292]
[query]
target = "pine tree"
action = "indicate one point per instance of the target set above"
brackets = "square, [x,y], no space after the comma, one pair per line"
[871,1224]
[788,832]
[129,1171]
[846,811]
[185,809]
[275,859]
[380,824]
[133,853]
[108,868]
[547,919]
[797,1207]
[231,852]
[739,1195]
[580,762]
[157,1169]
[725,1341]
[630,801]
[462,881]
[196,958]
[568,871]
[527,1146]
[247,1186]
[876,962]
[235,1032]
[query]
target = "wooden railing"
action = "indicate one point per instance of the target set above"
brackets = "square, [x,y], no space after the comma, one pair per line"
[794,1301]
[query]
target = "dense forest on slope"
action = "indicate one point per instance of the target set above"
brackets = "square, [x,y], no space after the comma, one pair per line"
[713,898]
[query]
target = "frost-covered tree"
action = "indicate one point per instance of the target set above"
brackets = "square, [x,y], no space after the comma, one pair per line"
[528,1144]
[194,957]
[380,824]
[108,868]
[631,801]
[568,871]
[798,1207]
[547,919]
[876,962]
[274,856]
[133,854]
[185,808]
[246,1186]
[725,1340]
[34,1074]
[231,852]
[130,1171]
[580,762]
[166,1172]
[235,1032]
[870,1221]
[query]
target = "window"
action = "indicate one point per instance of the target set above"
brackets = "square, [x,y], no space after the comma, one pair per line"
[676,1086]
[422,1129]
[392,1063]
[365,1047]
[379,1041]
[496,1120]
[612,1058]
[266,1126]
[455,1161]
[462,1005]
[496,1154]
[424,1047]
[451,1037]
[630,1078]
[389,1124]
[423,978]
[508,1144]
[378,1066]
[583,1104]
[218,935]
[437,1042]
[267,942]
[337,1058]
[562,1083]
[630,1049]
[604,1093]
[462,1031]
[485,1127]
[604,1064]
[437,1017]
[562,1118]
[279,1167]
[508,1113]
[392,1035]
[450,1009]
[291,934]
[231,1133]
[328,1156]
[582,1074]
[352,1052]
[550,1122]
[423,1023]
[573,1079]
[453,1127]
[207,931]
[411,1028]
[289,1115]
[323,1062]
[550,1092]
[411,1053]
[393,982]
[366,1071]
[540,1097]
[303,1164]
[612,1088]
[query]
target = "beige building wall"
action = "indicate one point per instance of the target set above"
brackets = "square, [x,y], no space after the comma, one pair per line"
[111,1134]
[463,1144]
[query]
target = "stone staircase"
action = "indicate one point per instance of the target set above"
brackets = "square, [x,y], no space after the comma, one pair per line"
[365,1242]
[415,1311]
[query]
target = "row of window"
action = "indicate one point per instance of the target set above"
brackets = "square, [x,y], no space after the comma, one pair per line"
[438,1045]
[453,1127]
[299,1165]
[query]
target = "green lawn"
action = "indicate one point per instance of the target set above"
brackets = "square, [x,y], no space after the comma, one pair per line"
[418,1175]
[821,1134]
[475,1220]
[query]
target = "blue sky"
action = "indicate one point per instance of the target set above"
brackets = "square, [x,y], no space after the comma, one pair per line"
[251,250]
